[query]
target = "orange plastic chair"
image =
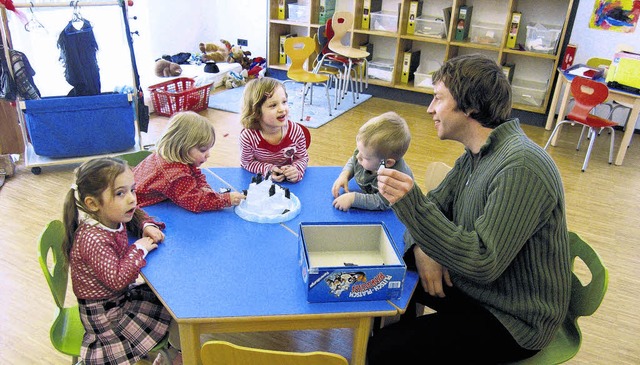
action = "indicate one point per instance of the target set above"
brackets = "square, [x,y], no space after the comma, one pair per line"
[226,353]
[587,94]
[299,49]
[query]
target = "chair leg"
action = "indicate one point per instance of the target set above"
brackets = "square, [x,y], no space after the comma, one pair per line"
[553,133]
[304,92]
[326,89]
[589,132]
[594,134]
[613,137]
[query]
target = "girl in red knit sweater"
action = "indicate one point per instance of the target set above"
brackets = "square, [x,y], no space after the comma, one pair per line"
[123,320]
[173,171]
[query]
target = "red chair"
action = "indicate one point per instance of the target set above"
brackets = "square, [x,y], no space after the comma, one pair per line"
[587,94]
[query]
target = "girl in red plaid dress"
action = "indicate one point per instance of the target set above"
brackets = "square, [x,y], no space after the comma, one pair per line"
[123,320]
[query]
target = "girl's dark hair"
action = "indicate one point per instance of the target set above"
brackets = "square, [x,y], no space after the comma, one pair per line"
[92,178]
[478,86]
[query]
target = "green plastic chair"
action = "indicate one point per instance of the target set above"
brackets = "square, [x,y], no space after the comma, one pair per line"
[66,330]
[134,158]
[585,299]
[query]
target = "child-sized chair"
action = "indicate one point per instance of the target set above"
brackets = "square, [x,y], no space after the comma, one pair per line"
[299,49]
[585,300]
[587,94]
[66,330]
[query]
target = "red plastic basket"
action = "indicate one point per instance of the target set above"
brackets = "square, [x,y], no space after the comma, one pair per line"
[178,95]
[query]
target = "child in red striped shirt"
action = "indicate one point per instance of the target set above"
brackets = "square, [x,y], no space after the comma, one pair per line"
[271,143]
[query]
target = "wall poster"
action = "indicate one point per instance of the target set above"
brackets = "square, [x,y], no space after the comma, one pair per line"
[615,15]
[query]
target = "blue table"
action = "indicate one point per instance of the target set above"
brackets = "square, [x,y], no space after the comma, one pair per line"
[218,273]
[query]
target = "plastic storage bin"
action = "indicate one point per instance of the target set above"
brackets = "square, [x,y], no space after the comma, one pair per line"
[542,38]
[528,92]
[486,33]
[422,78]
[384,20]
[298,13]
[381,69]
[430,26]
[178,95]
[80,125]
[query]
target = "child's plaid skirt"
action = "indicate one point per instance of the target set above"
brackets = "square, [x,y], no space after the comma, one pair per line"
[122,330]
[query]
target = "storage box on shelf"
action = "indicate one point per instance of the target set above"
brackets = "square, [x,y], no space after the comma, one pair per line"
[381,69]
[299,13]
[528,92]
[542,38]
[385,21]
[430,26]
[486,33]
[423,78]
[178,95]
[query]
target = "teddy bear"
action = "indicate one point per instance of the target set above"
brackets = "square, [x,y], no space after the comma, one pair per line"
[213,52]
[240,56]
[166,68]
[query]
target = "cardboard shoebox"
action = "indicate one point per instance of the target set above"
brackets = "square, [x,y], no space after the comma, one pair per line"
[349,262]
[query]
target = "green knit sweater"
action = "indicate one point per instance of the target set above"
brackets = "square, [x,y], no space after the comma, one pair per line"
[497,222]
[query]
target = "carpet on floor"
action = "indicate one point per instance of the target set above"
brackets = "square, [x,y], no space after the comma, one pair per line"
[315,115]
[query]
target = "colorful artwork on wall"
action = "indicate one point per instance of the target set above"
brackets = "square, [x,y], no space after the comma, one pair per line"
[615,15]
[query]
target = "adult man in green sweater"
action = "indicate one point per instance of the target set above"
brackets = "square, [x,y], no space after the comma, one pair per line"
[490,242]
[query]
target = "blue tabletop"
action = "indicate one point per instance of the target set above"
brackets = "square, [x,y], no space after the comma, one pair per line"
[215,264]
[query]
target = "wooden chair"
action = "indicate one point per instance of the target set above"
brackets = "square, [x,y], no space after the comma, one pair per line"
[341,24]
[330,62]
[585,300]
[226,353]
[587,94]
[299,49]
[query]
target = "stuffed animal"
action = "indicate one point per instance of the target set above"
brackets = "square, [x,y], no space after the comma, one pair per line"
[166,68]
[233,80]
[241,57]
[214,52]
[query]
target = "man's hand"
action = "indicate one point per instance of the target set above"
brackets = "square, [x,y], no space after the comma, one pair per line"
[432,274]
[393,184]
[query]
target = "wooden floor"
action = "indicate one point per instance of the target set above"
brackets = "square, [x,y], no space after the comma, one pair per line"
[602,206]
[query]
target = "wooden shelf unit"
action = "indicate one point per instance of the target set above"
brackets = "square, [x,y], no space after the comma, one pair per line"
[536,67]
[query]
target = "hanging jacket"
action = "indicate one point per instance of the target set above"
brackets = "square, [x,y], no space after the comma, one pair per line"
[78,49]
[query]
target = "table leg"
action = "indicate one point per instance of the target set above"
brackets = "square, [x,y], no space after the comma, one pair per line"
[190,343]
[628,133]
[360,339]
[561,111]
[554,103]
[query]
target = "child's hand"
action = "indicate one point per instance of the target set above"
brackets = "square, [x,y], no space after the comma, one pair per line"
[344,201]
[277,175]
[154,233]
[290,173]
[236,198]
[148,243]
[341,182]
